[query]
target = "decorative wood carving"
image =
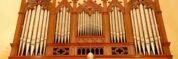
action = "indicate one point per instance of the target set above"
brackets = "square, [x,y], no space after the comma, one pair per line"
[90,40]
[60,51]
[43,3]
[89,7]
[119,50]
[147,3]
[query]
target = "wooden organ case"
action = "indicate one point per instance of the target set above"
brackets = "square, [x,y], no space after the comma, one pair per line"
[109,29]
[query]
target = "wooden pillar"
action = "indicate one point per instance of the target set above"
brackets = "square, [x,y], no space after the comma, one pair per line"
[51,29]
[73,26]
[74,21]
[160,22]
[18,31]
[161,28]
[128,28]
[106,27]
[107,50]
[166,50]
[105,19]
[73,51]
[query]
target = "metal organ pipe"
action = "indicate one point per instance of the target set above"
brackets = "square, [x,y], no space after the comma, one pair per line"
[34,30]
[86,24]
[140,29]
[24,49]
[146,35]
[97,20]
[57,29]
[111,28]
[136,31]
[145,31]
[68,35]
[151,41]
[158,41]
[30,43]
[59,34]
[114,26]
[89,25]
[30,32]
[59,25]
[37,39]
[24,33]
[97,24]
[29,35]
[153,31]
[122,27]
[42,43]
[117,26]
[100,24]
[94,25]
[80,31]
[46,31]
[83,24]
[79,21]
[63,26]
[41,31]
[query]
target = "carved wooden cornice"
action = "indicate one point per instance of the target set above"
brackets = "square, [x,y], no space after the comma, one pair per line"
[147,3]
[43,3]
[89,7]
[116,3]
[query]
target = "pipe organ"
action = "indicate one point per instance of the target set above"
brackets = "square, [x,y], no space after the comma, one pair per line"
[111,29]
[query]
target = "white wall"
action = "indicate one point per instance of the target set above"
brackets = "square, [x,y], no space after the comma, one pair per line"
[9,13]
[8,18]
[170,16]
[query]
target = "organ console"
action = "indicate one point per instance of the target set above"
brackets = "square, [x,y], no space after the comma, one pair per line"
[113,29]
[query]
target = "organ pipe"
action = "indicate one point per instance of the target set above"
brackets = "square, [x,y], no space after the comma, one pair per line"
[63,26]
[23,36]
[100,24]
[146,35]
[122,28]
[117,26]
[90,25]
[31,39]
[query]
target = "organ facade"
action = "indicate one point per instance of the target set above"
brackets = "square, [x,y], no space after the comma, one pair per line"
[78,29]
